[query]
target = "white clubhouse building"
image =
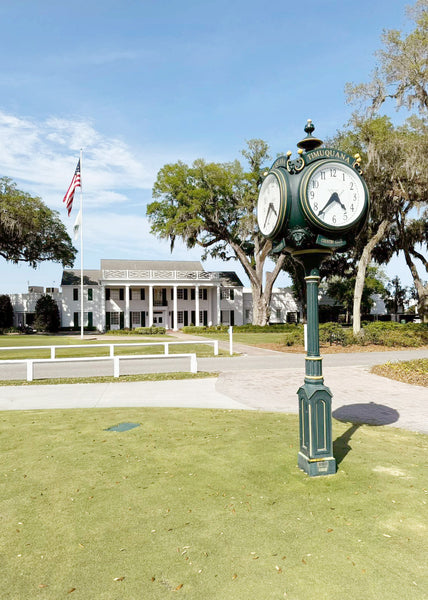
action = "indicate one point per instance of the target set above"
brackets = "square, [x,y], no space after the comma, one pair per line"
[140,293]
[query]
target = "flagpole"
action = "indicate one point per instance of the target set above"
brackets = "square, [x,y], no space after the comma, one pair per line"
[81,251]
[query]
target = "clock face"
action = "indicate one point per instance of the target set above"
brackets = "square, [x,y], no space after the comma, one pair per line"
[272,204]
[334,196]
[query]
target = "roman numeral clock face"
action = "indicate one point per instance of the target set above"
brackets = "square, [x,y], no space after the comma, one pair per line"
[333,196]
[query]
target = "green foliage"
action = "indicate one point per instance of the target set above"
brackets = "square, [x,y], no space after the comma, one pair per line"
[6,312]
[248,328]
[138,331]
[391,334]
[29,230]
[46,314]
[402,73]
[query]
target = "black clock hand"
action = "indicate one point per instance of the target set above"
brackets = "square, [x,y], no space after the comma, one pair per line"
[329,201]
[267,214]
[270,207]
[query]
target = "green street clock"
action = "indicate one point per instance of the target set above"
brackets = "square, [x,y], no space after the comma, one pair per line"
[310,207]
[333,196]
[273,205]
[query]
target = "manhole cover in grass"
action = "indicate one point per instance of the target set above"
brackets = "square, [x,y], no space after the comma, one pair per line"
[123,427]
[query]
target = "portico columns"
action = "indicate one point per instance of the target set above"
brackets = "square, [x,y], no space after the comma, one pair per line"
[150,305]
[197,306]
[127,320]
[175,309]
[218,306]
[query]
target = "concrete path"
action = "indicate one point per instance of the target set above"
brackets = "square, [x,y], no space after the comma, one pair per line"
[267,381]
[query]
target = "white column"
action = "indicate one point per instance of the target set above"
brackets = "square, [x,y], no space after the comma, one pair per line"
[150,305]
[218,306]
[100,297]
[127,320]
[197,306]
[175,309]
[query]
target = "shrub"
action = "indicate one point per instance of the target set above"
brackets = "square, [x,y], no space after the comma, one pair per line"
[138,331]
[396,334]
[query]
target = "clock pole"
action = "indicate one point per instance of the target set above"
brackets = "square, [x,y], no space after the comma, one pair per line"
[316,443]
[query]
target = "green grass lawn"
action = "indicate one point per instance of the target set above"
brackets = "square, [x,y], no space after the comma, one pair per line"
[206,505]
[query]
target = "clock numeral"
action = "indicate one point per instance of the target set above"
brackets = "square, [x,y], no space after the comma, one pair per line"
[322,174]
[312,195]
[334,219]
[343,177]
[355,196]
[351,185]
[345,217]
[315,184]
[352,207]
[332,172]
[315,205]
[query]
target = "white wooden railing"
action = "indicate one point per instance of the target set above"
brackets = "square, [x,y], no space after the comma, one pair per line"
[157,275]
[116,361]
[166,346]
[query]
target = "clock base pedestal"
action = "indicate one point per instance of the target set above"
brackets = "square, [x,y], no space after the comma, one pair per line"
[316,446]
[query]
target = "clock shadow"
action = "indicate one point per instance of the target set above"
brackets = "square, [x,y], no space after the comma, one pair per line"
[369,413]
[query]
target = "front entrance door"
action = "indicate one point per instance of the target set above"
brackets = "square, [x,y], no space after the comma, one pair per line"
[160,319]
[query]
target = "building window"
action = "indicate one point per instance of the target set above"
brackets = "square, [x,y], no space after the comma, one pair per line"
[75,293]
[142,294]
[114,318]
[135,318]
[108,294]
[121,294]
[159,297]
[130,293]
[180,316]
[182,293]
[192,293]
[227,294]
[278,314]
[247,315]
[203,294]
[76,319]
[90,294]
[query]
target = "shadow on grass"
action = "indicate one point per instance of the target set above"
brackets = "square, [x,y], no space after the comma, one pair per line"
[360,414]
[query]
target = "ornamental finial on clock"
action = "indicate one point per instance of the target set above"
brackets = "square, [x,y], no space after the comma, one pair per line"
[309,142]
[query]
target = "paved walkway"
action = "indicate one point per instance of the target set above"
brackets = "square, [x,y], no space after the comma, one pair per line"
[264,380]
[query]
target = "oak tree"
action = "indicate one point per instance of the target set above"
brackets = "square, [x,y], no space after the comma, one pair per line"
[212,205]
[30,231]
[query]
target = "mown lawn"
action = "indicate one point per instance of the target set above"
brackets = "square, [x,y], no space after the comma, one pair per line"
[206,504]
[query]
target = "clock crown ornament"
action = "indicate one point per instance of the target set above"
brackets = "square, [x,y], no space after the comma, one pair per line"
[309,142]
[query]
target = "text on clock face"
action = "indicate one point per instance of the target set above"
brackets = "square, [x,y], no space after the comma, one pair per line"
[335,195]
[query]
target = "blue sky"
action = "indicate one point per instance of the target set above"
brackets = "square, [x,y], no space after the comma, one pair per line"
[139,83]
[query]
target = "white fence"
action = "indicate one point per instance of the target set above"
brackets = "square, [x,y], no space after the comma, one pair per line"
[166,346]
[116,361]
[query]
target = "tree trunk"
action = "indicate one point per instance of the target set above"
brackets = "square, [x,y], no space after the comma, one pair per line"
[261,296]
[361,273]
[421,289]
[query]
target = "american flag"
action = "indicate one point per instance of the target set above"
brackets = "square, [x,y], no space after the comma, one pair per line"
[75,183]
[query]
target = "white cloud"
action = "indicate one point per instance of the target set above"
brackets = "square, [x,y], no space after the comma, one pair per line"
[42,155]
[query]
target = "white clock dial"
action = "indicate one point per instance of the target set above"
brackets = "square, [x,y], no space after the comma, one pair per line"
[269,203]
[334,195]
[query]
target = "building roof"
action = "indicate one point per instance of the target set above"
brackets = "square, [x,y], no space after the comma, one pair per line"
[152,265]
[72,277]
[229,278]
